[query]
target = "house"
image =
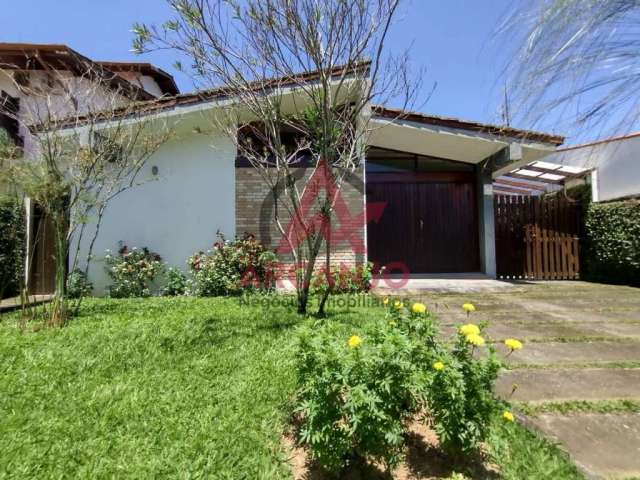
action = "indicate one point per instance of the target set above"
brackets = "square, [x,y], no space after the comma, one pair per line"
[429,179]
[613,166]
[421,202]
[27,69]
[608,166]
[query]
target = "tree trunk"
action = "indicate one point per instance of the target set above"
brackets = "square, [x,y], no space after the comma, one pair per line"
[303,290]
[327,292]
[303,299]
[59,304]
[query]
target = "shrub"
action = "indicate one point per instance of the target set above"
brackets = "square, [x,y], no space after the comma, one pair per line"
[356,393]
[415,320]
[12,246]
[133,272]
[343,279]
[78,285]
[176,283]
[460,398]
[232,267]
[612,242]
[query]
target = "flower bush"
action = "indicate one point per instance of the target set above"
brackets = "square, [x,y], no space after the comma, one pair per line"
[357,390]
[78,285]
[132,271]
[176,283]
[415,320]
[356,393]
[232,267]
[460,398]
[343,279]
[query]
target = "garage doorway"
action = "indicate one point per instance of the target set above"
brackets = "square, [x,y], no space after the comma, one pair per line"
[430,220]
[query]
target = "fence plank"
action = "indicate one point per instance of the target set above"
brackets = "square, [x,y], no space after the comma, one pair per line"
[537,238]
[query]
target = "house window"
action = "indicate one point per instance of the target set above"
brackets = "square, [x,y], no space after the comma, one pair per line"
[249,136]
[387,161]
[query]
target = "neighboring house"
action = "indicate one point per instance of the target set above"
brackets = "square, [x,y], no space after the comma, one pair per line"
[610,166]
[614,165]
[41,80]
[429,177]
[26,69]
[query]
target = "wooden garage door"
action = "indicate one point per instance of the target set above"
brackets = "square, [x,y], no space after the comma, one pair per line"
[429,226]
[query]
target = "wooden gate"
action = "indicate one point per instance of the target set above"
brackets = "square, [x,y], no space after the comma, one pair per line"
[537,238]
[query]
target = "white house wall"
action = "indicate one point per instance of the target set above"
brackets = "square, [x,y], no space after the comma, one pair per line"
[616,162]
[176,214]
[145,82]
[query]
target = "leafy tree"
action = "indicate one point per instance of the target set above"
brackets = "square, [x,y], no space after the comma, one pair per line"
[86,143]
[576,61]
[260,53]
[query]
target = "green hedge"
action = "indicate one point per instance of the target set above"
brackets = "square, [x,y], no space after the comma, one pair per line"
[612,242]
[12,245]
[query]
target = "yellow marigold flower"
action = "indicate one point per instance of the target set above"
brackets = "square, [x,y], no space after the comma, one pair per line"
[385,301]
[475,339]
[392,323]
[438,366]
[354,341]
[508,416]
[469,307]
[469,329]
[397,304]
[513,344]
[419,308]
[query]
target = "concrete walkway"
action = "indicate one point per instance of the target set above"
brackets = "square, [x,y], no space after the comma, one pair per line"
[14,303]
[578,375]
[449,283]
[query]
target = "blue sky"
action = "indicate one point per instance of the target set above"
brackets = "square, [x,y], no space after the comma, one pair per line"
[452,39]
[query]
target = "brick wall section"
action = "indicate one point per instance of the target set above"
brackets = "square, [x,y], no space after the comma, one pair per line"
[255,214]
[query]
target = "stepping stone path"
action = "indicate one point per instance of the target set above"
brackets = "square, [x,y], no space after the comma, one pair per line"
[581,343]
[602,445]
[559,384]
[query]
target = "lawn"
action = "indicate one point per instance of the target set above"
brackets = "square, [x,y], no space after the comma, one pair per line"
[175,387]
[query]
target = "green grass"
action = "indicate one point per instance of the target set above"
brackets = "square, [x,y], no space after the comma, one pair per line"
[580,406]
[522,454]
[572,365]
[174,387]
[146,388]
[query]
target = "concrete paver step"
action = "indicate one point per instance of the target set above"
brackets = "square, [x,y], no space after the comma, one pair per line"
[557,353]
[501,331]
[567,384]
[603,445]
[585,316]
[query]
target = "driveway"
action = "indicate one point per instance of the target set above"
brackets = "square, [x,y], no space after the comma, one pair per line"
[577,380]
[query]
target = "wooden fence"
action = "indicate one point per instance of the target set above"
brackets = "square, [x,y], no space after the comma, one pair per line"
[537,238]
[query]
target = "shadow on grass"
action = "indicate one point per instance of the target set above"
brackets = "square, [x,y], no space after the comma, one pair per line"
[215,330]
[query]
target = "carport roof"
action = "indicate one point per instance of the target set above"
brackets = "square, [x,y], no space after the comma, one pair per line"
[457,140]
[456,123]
